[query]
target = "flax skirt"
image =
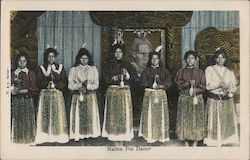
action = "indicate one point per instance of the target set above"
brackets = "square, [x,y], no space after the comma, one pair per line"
[191,119]
[22,119]
[51,117]
[84,117]
[222,123]
[154,123]
[118,117]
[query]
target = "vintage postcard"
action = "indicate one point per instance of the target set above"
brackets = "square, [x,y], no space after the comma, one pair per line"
[124,79]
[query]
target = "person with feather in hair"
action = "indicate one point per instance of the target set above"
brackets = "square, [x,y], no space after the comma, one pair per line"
[154,123]
[118,112]
[51,116]
[221,84]
[83,83]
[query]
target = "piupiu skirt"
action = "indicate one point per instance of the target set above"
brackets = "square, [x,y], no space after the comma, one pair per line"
[154,123]
[84,117]
[191,119]
[22,119]
[51,117]
[222,123]
[118,117]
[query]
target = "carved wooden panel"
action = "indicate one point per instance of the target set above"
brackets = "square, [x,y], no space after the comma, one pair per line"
[173,49]
[141,19]
[23,34]
[106,41]
[210,38]
[173,63]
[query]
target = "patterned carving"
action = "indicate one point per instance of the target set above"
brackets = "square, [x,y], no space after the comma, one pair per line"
[12,15]
[23,34]
[173,49]
[141,19]
[210,38]
[173,63]
[106,42]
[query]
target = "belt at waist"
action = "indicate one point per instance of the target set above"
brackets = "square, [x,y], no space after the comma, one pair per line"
[217,97]
[186,93]
[87,92]
[23,95]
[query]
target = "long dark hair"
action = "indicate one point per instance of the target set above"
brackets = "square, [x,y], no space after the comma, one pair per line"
[114,48]
[188,53]
[81,52]
[17,58]
[223,53]
[46,54]
[151,56]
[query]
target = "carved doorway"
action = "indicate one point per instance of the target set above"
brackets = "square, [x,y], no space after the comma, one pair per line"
[133,38]
[165,28]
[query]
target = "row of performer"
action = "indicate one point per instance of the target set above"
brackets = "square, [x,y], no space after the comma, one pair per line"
[214,121]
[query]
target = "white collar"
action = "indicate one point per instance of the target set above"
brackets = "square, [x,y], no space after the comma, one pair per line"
[155,66]
[191,67]
[51,67]
[18,70]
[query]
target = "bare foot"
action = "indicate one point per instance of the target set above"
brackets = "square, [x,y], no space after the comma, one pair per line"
[186,144]
[195,144]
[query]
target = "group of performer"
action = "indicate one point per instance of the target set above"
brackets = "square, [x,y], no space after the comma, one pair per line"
[213,121]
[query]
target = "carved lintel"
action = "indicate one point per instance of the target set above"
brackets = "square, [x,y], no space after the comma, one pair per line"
[141,19]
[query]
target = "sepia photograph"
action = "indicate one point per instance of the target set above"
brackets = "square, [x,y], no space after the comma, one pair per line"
[124,84]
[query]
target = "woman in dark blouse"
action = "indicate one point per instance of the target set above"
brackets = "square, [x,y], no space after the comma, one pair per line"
[191,112]
[154,70]
[24,88]
[118,119]
[51,117]
[154,124]
[51,71]
[118,66]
